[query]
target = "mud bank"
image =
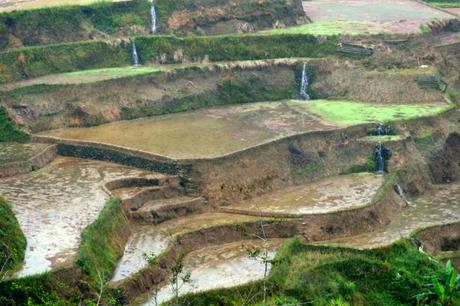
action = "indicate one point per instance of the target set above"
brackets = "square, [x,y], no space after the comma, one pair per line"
[442,238]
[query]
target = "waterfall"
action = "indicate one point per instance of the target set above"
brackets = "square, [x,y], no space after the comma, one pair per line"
[380,167]
[380,161]
[304,84]
[135,56]
[401,193]
[153,15]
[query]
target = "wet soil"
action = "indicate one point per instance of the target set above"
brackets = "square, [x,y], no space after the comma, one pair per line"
[200,134]
[220,266]
[154,239]
[324,196]
[440,206]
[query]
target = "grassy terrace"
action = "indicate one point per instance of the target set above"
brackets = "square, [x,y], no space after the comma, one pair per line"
[85,76]
[351,112]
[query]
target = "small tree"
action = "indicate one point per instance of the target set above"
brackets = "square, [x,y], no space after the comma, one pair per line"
[179,277]
[152,259]
[262,255]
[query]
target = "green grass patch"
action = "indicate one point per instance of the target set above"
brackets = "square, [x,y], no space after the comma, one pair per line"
[12,239]
[116,71]
[330,27]
[8,130]
[351,112]
[447,4]
[102,243]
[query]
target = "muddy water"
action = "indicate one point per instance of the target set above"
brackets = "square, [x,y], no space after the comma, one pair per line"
[154,239]
[54,204]
[328,195]
[204,133]
[145,240]
[220,266]
[436,207]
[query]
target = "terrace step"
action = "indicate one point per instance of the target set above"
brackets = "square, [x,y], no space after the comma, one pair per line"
[159,210]
[136,193]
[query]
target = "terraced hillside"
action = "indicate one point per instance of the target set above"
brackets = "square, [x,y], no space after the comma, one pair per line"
[273,152]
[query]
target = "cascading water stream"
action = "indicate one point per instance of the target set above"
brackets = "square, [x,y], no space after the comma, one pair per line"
[379,151]
[379,158]
[401,193]
[136,61]
[304,84]
[153,17]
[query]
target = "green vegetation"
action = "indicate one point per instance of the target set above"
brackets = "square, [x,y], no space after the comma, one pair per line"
[44,289]
[90,76]
[37,61]
[445,3]
[102,242]
[235,47]
[8,131]
[352,112]
[320,275]
[71,23]
[12,239]
[442,290]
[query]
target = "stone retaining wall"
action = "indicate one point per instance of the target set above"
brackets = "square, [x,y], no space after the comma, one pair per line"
[34,163]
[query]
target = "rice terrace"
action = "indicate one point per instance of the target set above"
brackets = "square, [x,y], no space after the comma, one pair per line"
[229,152]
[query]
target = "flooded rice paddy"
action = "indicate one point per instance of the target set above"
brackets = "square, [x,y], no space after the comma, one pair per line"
[220,266]
[204,133]
[154,239]
[53,205]
[324,196]
[436,207]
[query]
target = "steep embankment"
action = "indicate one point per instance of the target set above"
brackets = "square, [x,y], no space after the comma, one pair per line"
[12,240]
[8,129]
[120,19]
